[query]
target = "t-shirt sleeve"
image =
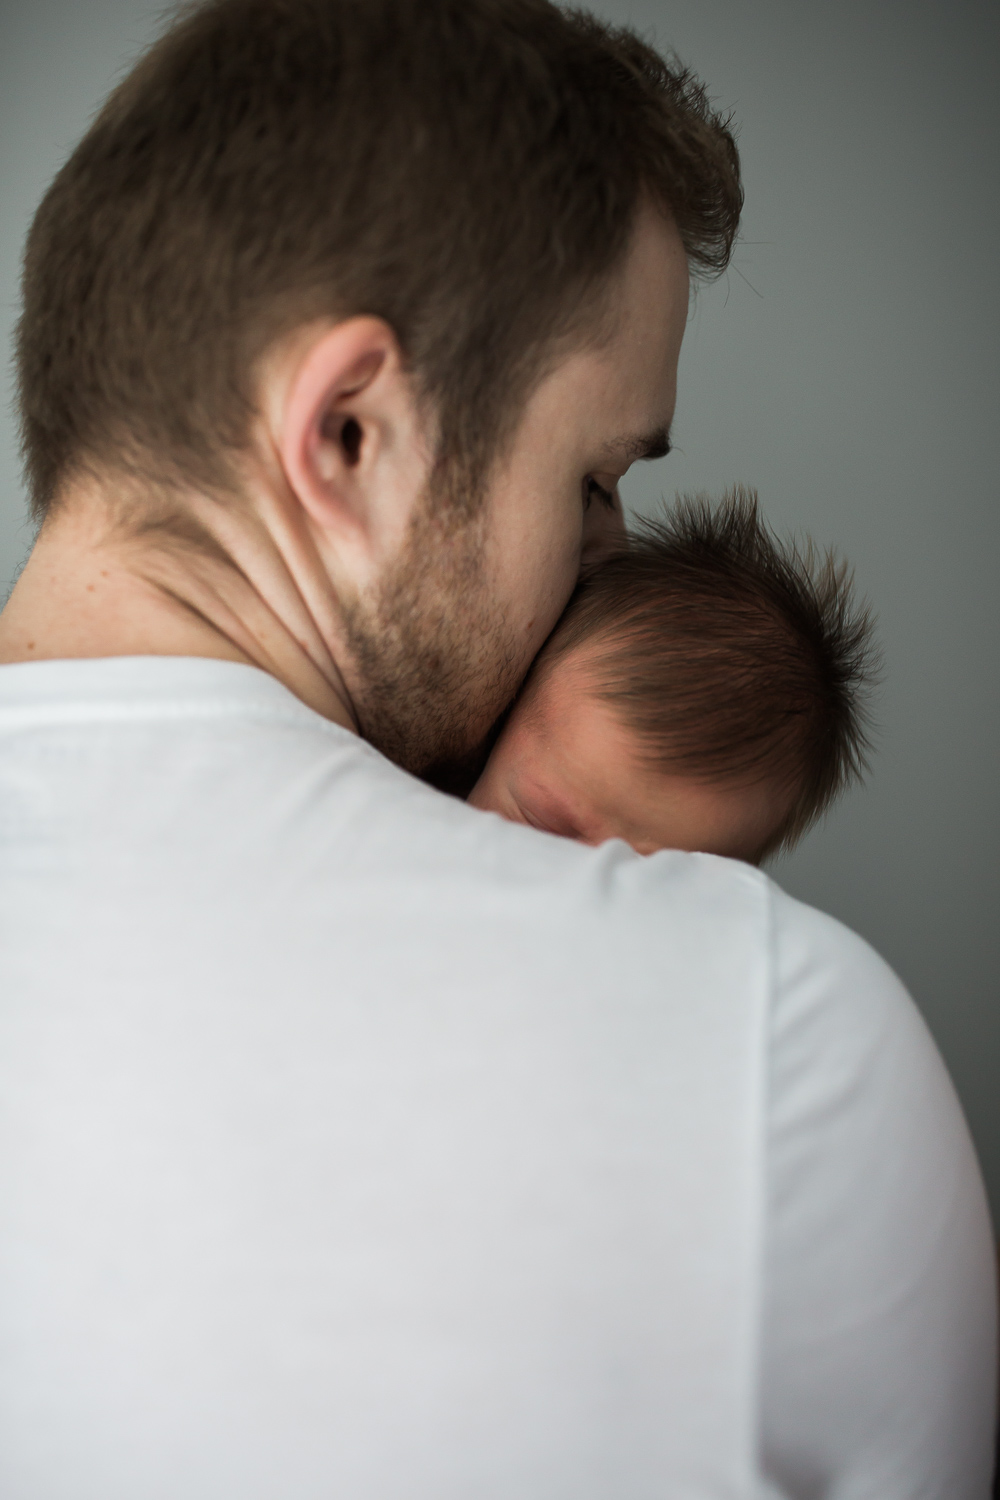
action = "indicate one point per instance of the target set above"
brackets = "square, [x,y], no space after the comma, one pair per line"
[878,1334]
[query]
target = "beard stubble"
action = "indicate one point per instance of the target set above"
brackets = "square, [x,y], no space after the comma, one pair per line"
[435,662]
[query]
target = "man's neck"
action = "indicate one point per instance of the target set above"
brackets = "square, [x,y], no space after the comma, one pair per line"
[230,590]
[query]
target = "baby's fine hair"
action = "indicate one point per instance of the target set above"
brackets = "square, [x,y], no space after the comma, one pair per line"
[735,657]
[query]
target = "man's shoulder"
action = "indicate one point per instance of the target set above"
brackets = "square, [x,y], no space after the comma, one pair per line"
[834,994]
[208,776]
[854,1074]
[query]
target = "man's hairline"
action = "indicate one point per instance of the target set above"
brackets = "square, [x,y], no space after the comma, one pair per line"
[589,333]
[160,499]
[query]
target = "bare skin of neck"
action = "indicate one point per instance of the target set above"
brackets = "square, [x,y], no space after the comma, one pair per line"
[243,587]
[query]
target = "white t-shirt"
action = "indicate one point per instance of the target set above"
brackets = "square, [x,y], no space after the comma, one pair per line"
[357,1145]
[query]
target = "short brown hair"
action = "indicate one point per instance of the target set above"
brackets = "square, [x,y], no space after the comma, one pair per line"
[468,170]
[734,657]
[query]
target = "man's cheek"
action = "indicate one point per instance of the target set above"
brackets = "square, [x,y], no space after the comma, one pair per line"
[603,533]
[561,582]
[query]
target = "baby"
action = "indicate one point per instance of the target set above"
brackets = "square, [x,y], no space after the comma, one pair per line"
[703,691]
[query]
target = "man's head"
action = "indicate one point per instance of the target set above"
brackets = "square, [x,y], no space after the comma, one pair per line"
[703,691]
[365,257]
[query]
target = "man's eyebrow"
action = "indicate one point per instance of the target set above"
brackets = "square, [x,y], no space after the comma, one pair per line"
[629,450]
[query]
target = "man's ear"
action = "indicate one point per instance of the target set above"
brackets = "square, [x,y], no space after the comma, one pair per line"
[348,419]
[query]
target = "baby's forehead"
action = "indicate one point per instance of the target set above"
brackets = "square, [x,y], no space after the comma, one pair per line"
[571,653]
[557,673]
[567,708]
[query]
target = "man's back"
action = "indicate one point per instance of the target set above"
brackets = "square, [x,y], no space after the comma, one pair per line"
[358,1144]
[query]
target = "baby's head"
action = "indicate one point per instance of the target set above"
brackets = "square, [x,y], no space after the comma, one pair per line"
[702,691]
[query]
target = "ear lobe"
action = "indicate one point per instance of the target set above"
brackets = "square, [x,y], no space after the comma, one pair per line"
[330,428]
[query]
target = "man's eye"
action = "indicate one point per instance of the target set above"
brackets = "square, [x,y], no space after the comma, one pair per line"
[594,491]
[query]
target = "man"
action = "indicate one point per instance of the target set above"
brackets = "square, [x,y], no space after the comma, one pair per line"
[356,1143]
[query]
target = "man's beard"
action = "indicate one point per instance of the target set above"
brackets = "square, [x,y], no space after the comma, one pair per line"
[433,664]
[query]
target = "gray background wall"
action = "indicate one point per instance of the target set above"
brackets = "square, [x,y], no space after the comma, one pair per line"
[847,366]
